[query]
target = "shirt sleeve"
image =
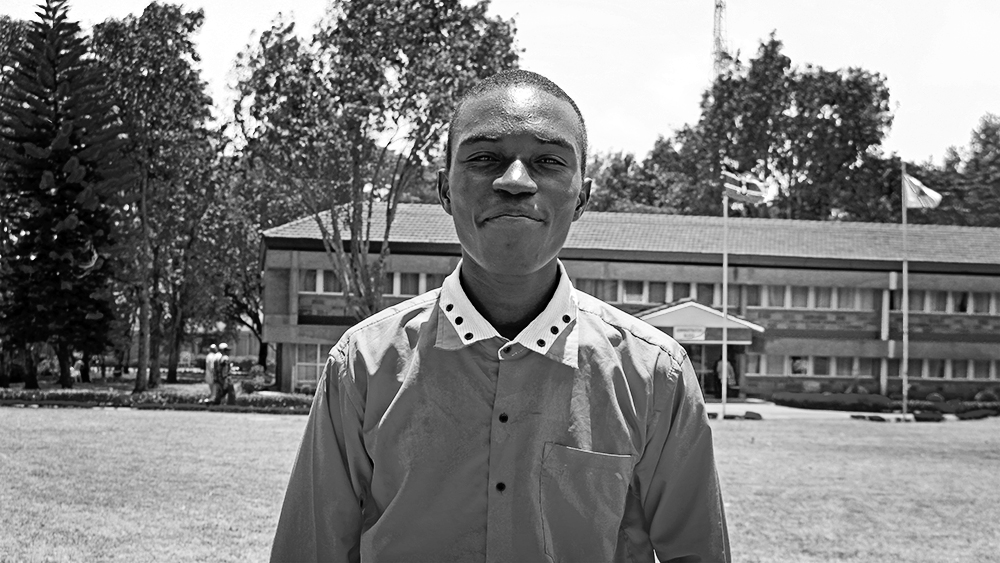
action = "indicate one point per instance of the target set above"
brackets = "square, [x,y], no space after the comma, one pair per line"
[321,517]
[678,483]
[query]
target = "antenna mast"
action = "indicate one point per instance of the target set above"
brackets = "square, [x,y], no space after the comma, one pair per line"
[719,47]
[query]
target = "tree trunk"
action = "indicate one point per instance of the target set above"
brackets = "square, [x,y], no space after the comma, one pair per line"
[30,368]
[142,373]
[175,337]
[262,354]
[4,370]
[65,357]
[85,368]
[155,329]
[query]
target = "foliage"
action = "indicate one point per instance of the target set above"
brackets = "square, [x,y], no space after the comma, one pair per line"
[814,136]
[61,186]
[152,62]
[876,403]
[349,120]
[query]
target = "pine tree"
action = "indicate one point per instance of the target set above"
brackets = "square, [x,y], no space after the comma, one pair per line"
[60,140]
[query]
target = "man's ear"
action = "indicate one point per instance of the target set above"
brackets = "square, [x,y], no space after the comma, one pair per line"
[582,199]
[444,190]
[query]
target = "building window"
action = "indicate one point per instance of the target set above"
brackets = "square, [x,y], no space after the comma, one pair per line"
[774,364]
[916,297]
[846,298]
[979,303]
[960,369]
[937,301]
[800,297]
[980,369]
[308,363]
[632,291]
[821,365]
[682,290]
[776,296]
[657,292]
[753,295]
[734,296]
[866,366]
[845,365]
[935,368]
[866,299]
[753,363]
[409,283]
[824,297]
[331,282]
[307,281]
[434,281]
[706,294]
[800,365]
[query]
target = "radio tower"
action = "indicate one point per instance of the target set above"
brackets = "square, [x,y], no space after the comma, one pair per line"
[719,47]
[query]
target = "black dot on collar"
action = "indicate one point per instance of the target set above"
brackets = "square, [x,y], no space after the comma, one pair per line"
[458,320]
[540,342]
[566,318]
[554,330]
[468,336]
[449,307]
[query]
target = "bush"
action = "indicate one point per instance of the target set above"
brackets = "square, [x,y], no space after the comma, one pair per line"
[271,402]
[877,403]
[987,396]
[859,402]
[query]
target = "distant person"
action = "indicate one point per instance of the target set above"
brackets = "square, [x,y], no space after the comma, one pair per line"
[506,416]
[730,379]
[223,381]
[210,360]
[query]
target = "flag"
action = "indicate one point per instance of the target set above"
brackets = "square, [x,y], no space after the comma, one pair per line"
[746,188]
[918,195]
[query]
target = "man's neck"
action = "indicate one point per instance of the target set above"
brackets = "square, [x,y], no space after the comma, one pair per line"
[509,302]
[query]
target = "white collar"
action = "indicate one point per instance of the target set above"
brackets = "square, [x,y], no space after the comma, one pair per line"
[552,333]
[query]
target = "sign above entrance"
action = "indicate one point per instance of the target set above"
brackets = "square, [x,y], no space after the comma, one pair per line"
[689,333]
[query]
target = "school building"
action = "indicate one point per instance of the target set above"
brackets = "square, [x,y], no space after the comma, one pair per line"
[813,306]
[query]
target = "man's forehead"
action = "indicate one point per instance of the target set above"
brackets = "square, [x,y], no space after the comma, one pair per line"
[518,109]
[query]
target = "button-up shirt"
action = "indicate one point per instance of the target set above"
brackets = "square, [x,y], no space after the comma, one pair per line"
[433,438]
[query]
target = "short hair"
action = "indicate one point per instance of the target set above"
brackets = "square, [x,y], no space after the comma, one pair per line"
[509,78]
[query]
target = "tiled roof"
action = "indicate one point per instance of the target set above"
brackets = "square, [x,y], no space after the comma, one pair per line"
[694,235]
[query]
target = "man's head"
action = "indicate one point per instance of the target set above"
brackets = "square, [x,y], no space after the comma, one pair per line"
[224,348]
[514,180]
[213,348]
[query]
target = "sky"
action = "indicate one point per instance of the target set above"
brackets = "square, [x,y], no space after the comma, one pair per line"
[638,68]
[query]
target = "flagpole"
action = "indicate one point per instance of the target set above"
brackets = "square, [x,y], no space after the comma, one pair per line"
[724,372]
[904,366]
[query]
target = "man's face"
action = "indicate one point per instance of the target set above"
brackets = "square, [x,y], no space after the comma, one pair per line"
[514,185]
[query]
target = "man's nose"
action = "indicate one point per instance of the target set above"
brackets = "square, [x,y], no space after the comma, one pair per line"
[516,180]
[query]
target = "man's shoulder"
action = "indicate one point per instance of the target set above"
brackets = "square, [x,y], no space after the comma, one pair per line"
[383,327]
[639,332]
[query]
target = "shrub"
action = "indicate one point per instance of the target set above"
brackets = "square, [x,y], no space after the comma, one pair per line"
[987,395]
[861,402]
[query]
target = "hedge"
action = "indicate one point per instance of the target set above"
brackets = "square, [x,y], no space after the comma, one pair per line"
[859,402]
[298,404]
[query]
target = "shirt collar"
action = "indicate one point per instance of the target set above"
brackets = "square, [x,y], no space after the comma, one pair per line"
[553,333]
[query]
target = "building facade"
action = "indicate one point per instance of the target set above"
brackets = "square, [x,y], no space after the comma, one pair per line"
[813,306]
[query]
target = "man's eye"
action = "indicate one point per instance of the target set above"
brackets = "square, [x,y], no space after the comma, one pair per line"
[482,158]
[550,160]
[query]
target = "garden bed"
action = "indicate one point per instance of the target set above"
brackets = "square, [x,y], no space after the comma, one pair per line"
[861,402]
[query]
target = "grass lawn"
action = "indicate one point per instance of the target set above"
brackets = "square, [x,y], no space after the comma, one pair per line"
[131,486]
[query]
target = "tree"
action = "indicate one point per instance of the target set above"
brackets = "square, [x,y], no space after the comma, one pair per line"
[814,134]
[151,61]
[59,137]
[969,180]
[350,120]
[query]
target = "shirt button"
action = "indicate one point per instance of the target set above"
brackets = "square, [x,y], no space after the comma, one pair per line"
[449,307]
[506,350]
[541,343]
[503,417]
[458,320]
[554,330]
[501,487]
[566,318]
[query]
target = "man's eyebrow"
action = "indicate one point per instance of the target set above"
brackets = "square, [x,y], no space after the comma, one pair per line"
[484,138]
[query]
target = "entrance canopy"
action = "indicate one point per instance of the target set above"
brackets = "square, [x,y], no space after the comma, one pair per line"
[690,322]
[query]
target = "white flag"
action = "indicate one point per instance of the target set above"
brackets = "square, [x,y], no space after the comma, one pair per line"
[918,195]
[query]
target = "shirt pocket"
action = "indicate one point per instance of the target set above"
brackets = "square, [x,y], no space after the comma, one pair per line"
[582,500]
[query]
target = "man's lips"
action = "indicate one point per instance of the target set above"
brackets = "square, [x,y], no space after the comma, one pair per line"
[511,214]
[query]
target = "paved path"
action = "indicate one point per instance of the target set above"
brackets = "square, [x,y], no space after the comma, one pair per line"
[771,411]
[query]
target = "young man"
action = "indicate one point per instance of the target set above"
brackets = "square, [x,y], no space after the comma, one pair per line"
[506,416]
[210,360]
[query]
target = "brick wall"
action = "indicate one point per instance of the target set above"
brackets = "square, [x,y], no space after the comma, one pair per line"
[813,320]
